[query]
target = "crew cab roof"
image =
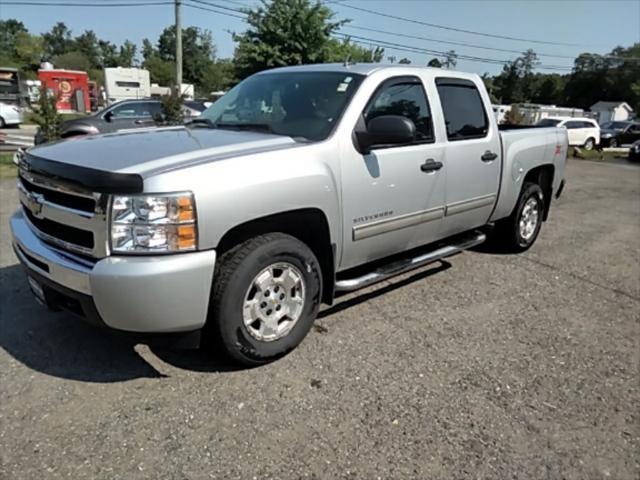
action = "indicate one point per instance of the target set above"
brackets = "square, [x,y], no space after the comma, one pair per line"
[368,69]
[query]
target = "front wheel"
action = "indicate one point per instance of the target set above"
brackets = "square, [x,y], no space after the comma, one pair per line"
[265,297]
[519,231]
[613,143]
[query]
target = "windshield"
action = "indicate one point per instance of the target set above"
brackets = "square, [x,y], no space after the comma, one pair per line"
[9,82]
[301,104]
[548,122]
[614,126]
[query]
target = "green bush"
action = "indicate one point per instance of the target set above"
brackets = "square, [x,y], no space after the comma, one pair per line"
[172,110]
[47,117]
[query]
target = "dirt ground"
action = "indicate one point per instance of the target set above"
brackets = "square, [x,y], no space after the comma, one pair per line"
[486,366]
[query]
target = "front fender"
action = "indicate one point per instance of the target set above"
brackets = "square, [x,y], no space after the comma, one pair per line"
[234,191]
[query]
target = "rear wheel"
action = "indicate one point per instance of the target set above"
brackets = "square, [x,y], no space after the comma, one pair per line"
[265,297]
[589,144]
[520,230]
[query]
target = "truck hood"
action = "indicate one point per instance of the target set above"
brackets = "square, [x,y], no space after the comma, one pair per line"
[147,151]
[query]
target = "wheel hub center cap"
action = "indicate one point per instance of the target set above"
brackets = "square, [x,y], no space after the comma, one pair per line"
[274,302]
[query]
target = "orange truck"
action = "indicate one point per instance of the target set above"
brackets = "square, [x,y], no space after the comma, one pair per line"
[71,88]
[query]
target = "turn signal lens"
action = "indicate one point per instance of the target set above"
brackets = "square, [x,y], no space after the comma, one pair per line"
[186,237]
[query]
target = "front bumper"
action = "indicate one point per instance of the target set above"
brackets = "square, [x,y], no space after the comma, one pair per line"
[134,294]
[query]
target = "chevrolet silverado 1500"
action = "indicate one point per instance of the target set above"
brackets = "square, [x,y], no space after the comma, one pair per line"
[297,185]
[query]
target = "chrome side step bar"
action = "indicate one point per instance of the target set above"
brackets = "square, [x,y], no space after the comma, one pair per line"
[406,265]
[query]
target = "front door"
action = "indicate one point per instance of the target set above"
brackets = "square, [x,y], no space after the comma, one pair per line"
[473,156]
[393,196]
[132,115]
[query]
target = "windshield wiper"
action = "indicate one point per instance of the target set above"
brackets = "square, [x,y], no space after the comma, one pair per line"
[263,127]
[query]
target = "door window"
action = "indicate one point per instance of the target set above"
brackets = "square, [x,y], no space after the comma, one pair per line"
[150,109]
[136,110]
[463,109]
[407,100]
[574,125]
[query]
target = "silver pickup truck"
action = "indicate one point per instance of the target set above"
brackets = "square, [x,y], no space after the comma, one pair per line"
[299,184]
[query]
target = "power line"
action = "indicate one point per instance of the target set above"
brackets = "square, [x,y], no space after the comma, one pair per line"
[243,5]
[437,53]
[447,42]
[383,43]
[211,4]
[461,44]
[454,29]
[99,5]
[213,11]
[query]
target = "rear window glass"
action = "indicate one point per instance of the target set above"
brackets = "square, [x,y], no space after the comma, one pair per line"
[463,111]
[548,122]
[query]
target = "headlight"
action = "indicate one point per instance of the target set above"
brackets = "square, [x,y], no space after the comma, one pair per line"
[153,223]
[606,135]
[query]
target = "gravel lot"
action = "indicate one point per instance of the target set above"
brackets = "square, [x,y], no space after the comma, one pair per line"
[487,366]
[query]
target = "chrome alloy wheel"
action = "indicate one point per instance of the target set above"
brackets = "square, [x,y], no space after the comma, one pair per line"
[274,302]
[529,218]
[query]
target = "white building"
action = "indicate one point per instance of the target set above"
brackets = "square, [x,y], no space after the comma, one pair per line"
[612,111]
[533,112]
[500,112]
[126,83]
[187,90]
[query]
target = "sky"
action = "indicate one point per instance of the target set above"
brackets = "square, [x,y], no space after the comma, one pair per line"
[589,25]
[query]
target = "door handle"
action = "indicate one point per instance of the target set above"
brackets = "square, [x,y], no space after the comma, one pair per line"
[431,165]
[489,156]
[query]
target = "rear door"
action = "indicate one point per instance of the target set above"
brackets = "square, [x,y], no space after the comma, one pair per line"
[575,132]
[472,157]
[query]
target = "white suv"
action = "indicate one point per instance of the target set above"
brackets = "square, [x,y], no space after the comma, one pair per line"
[582,132]
[10,115]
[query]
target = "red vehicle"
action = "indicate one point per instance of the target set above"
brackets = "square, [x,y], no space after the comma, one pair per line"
[71,88]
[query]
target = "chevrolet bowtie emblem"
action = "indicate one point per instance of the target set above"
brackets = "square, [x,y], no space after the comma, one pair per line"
[34,203]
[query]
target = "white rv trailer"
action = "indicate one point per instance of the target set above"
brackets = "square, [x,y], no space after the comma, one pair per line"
[126,83]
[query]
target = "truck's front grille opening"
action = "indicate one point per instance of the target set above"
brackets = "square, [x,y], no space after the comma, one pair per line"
[62,232]
[76,202]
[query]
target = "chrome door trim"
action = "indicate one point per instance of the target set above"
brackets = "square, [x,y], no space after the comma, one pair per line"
[470,204]
[396,223]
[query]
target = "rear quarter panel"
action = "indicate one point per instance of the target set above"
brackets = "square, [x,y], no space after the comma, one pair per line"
[524,150]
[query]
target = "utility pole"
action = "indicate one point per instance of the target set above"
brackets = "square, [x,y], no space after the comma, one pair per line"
[178,46]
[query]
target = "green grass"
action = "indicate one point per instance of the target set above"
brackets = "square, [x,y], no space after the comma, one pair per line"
[29,117]
[7,167]
[595,155]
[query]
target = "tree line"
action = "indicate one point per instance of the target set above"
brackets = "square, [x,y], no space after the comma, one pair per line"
[293,32]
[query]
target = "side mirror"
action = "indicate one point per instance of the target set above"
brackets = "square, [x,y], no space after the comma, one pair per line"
[108,116]
[386,130]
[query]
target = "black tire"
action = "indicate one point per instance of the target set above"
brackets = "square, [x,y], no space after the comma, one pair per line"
[589,144]
[2,123]
[613,143]
[235,272]
[508,233]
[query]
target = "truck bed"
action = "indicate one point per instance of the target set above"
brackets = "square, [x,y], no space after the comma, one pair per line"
[522,146]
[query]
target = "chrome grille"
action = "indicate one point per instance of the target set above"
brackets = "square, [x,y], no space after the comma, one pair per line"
[65,216]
